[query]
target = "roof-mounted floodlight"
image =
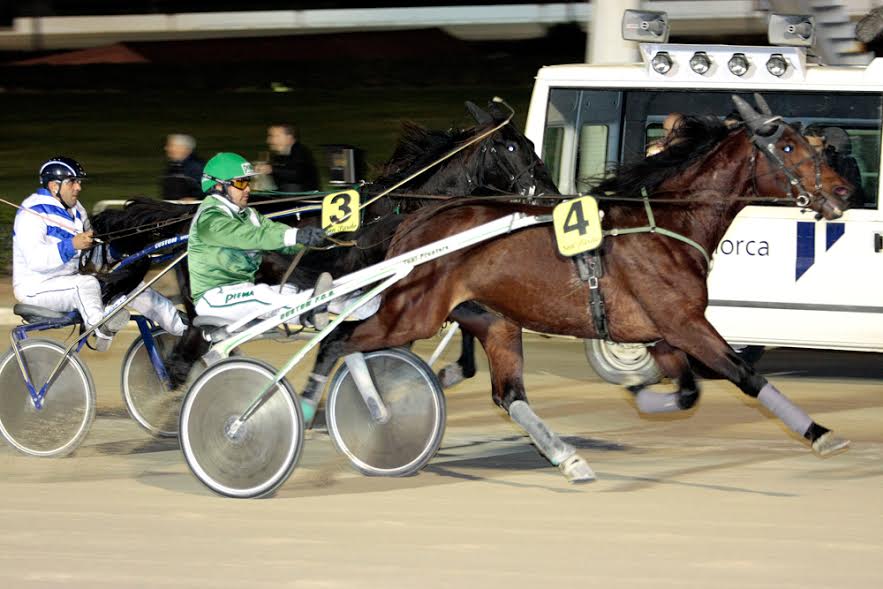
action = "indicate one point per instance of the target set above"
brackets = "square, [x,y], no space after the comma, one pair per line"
[645,26]
[795,30]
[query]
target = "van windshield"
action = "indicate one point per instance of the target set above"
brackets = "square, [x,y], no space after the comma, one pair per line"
[588,130]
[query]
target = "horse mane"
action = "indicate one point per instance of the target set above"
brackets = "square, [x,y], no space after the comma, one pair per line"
[418,147]
[424,214]
[691,141]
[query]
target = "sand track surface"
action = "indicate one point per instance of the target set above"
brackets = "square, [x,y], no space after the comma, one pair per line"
[720,496]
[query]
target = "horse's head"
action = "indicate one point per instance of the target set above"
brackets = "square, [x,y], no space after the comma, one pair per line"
[792,168]
[505,160]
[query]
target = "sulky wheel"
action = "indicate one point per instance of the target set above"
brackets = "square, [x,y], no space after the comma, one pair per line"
[68,408]
[413,433]
[147,400]
[255,459]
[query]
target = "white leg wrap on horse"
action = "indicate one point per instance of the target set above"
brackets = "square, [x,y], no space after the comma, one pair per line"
[545,439]
[650,402]
[450,375]
[315,386]
[790,414]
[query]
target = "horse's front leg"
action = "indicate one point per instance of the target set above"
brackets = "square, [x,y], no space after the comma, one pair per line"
[703,342]
[674,364]
[502,344]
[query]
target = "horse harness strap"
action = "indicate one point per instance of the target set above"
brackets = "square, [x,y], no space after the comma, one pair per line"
[591,269]
[653,228]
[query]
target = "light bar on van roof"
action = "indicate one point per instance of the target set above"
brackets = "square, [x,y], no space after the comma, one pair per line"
[724,63]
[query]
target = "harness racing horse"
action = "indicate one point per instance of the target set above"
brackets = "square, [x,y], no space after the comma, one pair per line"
[502,163]
[654,286]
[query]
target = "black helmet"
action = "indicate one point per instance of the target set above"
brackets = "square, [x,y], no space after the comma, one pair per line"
[59,169]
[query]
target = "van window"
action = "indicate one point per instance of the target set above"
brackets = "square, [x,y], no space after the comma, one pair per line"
[582,136]
[588,130]
[591,156]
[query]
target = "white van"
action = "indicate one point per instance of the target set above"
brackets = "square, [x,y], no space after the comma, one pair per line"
[779,278]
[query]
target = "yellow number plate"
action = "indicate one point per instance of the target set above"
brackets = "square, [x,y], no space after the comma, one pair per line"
[577,225]
[340,212]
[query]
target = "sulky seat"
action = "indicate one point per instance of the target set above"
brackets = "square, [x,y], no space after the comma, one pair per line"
[37,314]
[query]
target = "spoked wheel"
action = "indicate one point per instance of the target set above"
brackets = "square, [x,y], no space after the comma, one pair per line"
[150,404]
[255,459]
[68,409]
[416,404]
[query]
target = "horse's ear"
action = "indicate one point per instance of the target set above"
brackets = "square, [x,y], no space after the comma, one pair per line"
[762,105]
[756,122]
[481,117]
[496,112]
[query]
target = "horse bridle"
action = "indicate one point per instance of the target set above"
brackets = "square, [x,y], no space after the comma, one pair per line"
[515,176]
[767,144]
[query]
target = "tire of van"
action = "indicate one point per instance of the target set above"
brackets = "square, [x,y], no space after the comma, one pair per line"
[622,363]
[751,354]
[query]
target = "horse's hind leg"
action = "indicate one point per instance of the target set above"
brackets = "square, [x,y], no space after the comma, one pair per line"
[472,318]
[703,342]
[398,323]
[330,351]
[502,343]
[674,364]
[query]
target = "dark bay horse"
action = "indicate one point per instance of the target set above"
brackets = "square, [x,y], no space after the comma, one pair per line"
[502,163]
[654,286]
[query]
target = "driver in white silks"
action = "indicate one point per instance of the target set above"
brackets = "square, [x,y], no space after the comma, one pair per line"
[225,245]
[50,233]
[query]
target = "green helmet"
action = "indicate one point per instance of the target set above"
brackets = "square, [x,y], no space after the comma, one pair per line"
[224,167]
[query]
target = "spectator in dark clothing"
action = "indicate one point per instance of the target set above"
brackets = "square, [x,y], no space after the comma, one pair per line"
[291,164]
[183,174]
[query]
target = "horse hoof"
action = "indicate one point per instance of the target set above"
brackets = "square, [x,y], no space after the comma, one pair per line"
[450,375]
[828,444]
[577,470]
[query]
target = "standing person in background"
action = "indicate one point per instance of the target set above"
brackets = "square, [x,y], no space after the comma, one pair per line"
[183,173]
[291,164]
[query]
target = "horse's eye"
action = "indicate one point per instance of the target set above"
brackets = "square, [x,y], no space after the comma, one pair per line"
[788,148]
[511,147]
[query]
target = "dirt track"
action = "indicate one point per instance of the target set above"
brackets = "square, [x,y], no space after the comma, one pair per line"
[719,497]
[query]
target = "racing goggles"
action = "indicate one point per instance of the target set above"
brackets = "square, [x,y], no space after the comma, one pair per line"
[240,183]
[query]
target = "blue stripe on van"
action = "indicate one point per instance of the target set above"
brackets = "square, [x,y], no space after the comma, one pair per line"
[806,248]
[833,232]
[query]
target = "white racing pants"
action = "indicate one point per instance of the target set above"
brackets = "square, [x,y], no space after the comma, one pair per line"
[82,292]
[234,301]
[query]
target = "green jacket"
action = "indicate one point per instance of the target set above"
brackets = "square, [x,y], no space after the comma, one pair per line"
[225,245]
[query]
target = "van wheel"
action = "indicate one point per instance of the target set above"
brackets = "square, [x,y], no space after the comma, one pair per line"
[751,354]
[622,363]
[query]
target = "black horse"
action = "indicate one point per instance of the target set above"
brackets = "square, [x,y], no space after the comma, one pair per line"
[503,163]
